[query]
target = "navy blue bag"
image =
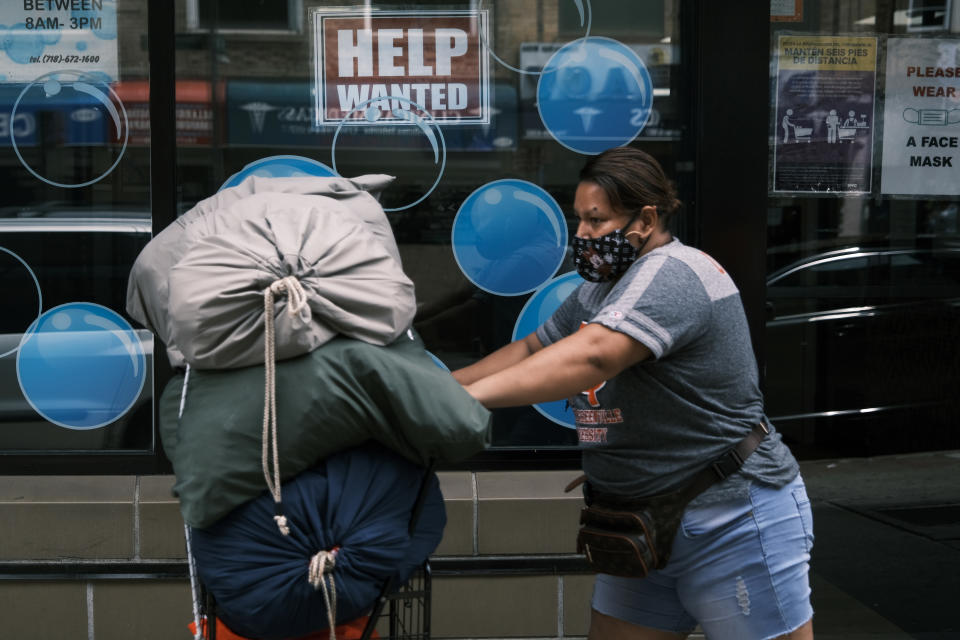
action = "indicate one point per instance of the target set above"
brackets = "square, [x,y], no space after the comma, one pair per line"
[359,501]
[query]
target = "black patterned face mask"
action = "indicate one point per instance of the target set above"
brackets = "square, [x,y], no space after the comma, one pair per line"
[604,258]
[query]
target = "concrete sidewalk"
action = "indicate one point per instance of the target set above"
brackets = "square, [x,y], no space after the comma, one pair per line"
[886,559]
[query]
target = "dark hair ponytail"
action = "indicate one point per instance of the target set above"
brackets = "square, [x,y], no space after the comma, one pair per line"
[632,179]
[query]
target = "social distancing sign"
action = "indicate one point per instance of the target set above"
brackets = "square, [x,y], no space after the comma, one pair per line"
[372,67]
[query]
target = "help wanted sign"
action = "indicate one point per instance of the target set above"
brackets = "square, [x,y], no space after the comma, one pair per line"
[375,66]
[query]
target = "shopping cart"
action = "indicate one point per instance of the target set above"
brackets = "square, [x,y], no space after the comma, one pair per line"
[405,610]
[802,134]
[847,133]
[402,611]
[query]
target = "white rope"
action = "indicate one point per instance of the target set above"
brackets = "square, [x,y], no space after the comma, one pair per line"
[297,301]
[191,561]
[319,564]
[183,392]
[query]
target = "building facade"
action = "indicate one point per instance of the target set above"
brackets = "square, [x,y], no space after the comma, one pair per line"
[813,145]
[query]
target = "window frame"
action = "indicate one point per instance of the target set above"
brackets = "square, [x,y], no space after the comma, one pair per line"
[294,21]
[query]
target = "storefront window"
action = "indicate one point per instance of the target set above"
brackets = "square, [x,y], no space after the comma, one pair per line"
[252,15]
[75,373]
[863,239]
[484,111]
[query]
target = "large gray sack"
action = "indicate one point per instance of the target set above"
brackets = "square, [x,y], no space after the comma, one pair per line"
[199,283]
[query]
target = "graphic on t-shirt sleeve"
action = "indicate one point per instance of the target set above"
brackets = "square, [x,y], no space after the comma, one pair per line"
[591,393]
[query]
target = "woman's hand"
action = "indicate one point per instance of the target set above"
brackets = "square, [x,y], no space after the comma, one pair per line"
[500,359]
[580,361]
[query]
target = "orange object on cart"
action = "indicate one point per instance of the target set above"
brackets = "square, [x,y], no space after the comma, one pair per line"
[352,630]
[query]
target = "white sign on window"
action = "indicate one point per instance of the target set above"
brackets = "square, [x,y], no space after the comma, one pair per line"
[38,37]
[921,124]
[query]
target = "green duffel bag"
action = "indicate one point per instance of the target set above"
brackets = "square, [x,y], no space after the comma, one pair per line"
[340,395]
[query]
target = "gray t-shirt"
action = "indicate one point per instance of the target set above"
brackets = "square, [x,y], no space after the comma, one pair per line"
[653,426]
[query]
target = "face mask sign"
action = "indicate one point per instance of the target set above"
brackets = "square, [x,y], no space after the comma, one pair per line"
[604,258]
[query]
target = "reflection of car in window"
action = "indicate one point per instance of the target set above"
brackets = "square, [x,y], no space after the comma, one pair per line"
[863,351]
[74,259]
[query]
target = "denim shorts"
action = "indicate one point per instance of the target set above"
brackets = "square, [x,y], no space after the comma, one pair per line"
[738,569]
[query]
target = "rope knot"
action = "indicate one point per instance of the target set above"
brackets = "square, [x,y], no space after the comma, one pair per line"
[320,563]
[294,290]
[281,521]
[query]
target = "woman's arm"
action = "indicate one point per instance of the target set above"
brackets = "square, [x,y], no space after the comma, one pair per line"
[576,363]
[500,359]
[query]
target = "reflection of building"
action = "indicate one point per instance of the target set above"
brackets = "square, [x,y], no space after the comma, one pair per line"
[27,117]
[660,62]
[264,112]
[194,111]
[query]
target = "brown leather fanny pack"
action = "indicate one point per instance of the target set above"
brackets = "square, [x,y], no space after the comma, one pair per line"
[630,537]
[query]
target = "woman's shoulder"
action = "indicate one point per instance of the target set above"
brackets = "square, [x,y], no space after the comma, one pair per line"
[698,266]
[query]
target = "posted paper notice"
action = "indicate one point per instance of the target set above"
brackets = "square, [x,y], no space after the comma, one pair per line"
[921,117]
[824,113]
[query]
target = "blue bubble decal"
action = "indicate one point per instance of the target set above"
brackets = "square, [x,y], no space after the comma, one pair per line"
[538,309]
[36,283]
[19,44]
[81,365]
[594,94]
[402,109]
[281,167]
[97,119]
[509,237]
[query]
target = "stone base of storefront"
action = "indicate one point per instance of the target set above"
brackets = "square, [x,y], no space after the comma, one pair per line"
[102,557]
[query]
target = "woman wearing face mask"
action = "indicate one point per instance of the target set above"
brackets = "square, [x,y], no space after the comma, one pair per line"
[653,353]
